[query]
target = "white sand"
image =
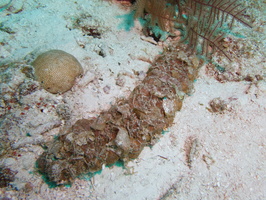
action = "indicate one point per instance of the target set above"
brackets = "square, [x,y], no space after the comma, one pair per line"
[228,154]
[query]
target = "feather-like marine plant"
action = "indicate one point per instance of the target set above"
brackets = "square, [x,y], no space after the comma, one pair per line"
[202,22]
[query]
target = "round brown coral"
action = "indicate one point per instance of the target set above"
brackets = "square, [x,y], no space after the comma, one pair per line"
[57,70]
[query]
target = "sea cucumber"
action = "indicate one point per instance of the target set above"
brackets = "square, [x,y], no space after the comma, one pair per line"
[121,132]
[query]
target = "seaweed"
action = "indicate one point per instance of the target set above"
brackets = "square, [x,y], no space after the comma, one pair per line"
[203,23]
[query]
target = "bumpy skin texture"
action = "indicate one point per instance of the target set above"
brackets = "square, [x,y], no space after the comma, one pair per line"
[57,70]
[121,132]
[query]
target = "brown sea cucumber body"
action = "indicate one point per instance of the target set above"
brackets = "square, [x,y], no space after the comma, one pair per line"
[121,132]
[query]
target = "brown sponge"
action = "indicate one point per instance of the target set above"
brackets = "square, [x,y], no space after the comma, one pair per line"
[57,70]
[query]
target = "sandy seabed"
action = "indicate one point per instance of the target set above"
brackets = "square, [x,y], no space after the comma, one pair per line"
[214,150]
